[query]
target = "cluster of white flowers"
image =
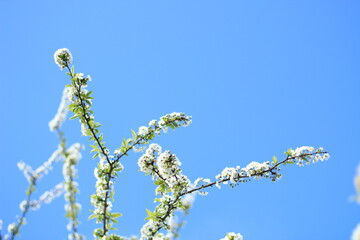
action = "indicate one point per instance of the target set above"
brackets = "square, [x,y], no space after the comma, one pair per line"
[74,236]
[172,120]
[161,236]
[60,116]
[31,174]
[72,156]
[27,171]
[150,228]
[98,200]
[146,161]
[46,197]
[81,84]
[267,170]
[308,155]
[143,131]
[232,236]
[166,166]
[253,169]
[12,227]
[63,57]
[101,200]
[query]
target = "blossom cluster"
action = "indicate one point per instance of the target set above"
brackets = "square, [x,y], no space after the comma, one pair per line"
[32,175]
[308,155]
[46,197]
[175,190]
[233,236]
[62,111]
[62,57]
[164,168]
[146,133]
[72,208]
[105,173]
[257,170]
[109,166]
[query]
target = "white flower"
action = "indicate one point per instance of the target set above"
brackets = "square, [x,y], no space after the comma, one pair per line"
[301,150]
[326,156]
[188,200]
[11,227]
[23,205]
[232,236]
[152,123]
[143,130]
[62,57]
[60,116]
[356,233]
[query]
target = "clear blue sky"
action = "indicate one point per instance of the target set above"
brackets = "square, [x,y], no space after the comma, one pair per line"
[258,77]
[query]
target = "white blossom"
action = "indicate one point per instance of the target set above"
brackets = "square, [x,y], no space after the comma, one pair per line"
[62,57]
[60,116]
[47,196]
[356,233]
[11,227]
[143,130]
[23,205]
[47,166]
[152,123]
[233,236]
[188,200]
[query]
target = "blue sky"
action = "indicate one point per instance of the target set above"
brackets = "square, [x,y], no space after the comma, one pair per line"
[258,77]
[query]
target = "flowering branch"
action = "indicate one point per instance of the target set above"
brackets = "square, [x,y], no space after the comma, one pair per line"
[109,165]
[32,176]
[167,174]
[71,157]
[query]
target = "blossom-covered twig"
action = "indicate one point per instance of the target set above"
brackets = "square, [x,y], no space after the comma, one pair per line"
[81,107]
[109,166]
[71,157]
[32,177]
[164,168]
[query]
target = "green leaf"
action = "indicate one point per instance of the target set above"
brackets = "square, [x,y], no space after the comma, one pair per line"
[274,159]
[116,215]
[92,216]
[134,134]
[113,220]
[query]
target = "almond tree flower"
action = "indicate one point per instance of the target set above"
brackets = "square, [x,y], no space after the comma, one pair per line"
[63,57]
[233,236]
[62,111]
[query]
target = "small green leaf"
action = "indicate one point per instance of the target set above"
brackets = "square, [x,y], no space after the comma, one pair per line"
[116,215]
[92,216]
